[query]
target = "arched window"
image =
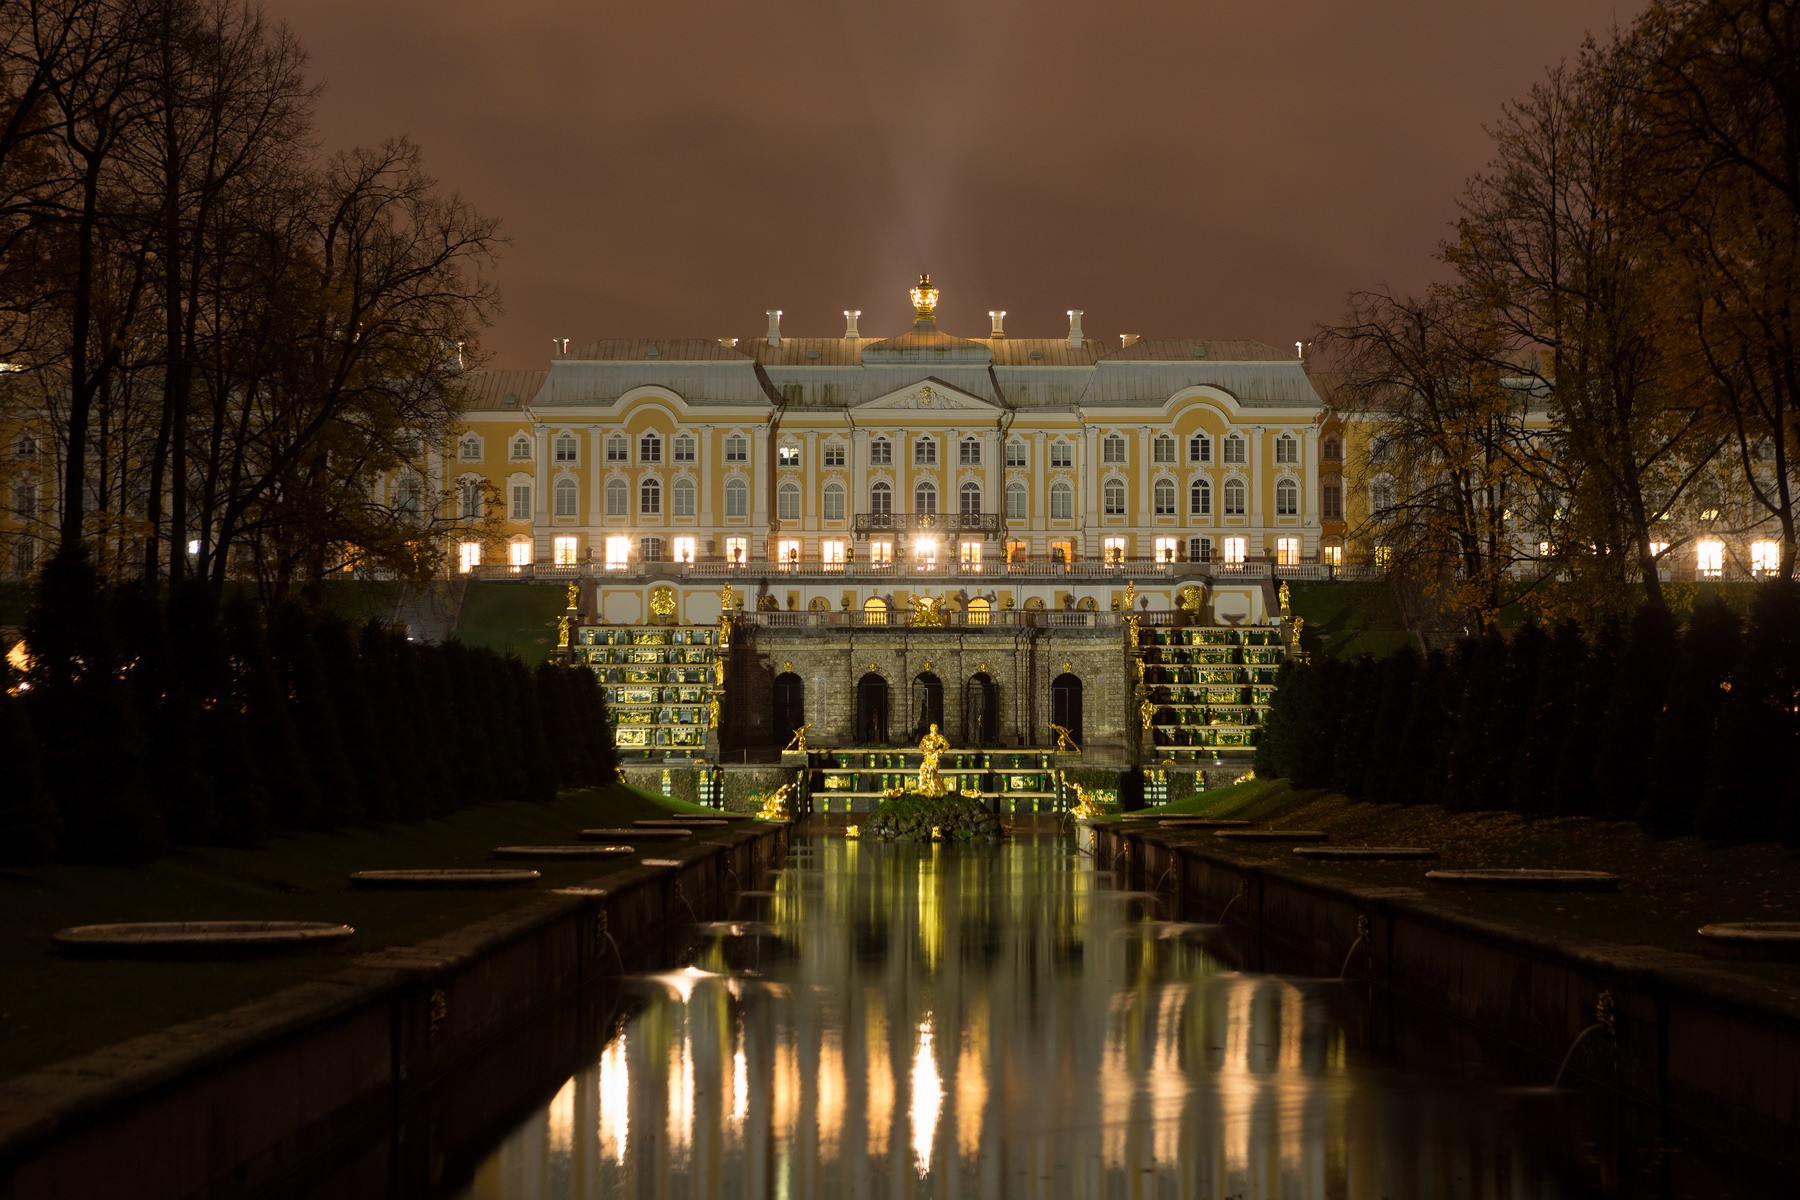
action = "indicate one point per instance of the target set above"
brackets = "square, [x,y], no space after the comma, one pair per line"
[834,454]
[1162,449]
[1062,501]
[1164,496]
[1065,705]
[834,502]
[618,497]
[1287,498]
[26,446]
[468,499]
[469,449]
[1381,495]
[787,454]
[650,449]
[1381,449]
[406,496]
[1234,448]
[881,499]
[1112,497]
[1199,549]
[1235,497]
[1200,498]
[1062,453]
[1287,449]
[875,611]
[682,495]
[925,497]
[979,611]
[650,498]
[1017,500]
[787,501]
[521,447]
[737,498]
[618,450]
[968,499]
[565,497]
[565,447]
[1112,449]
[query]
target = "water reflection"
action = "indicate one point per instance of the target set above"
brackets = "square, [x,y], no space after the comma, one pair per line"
[993,1023]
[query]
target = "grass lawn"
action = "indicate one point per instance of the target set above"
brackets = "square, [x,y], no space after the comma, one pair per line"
[53,1007]
[1352,618]
[1671,886]
[512,618]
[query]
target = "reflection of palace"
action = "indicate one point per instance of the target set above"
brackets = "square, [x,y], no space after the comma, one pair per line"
[922,528]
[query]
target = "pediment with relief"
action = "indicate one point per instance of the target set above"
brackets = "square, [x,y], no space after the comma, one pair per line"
[930,395]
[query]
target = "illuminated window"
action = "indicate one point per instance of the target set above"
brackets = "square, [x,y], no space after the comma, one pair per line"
[1167,549]
[521,502]
[787,454]
[564,552]
[737,498]
[1199,449]
[831,553]
[737,448]
[618,449]
[737,550]
[521,447]
[565,497]
[1162,449]
[1383,556]
[650,449]
[1017,551]
[925,452]
[834,502]
[881,554]
[1234,549]
[1235,494]
[618,497]
[1062,454]
[518,554]
[1017,500]
[650,498]
[787,553]
[1015,452]
[925,497]
[1234,449]
[618,553]
[469,449]
[1709,558]
[834,454]
[1113,550]
[684,549]
[1200,498]
[1062,501]
[1062,552]
[968,499]
[683,496]
[1658,549]
[1765,558]
[968,556]
[875,611]
[468,556]
[787,501]
[1287,551]
[1163,495]
[925,553]
[1333,555]
[1287,449]
[881,453]
[1112,498]
[968,452]
[881,499]
[1287,498]
[684,449]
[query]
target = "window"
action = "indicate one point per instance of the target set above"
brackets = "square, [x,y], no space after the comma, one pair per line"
[25,501]
[518,554]
[787,454]
[650,549]
[1016,500]
[26,446]
[1234,449]
[682,497]
[521,447]
[1199,449]
[881,554]
[1112,449]
[925,452]
[1199,549]
[650,449]
[406,496]
[787,553]
[1332,450]
[468,557]
[968,555]
[617,496]
[1765,558]
[1112,497]
[1287,551]
[650,498]
[618,553]
[1163,497]
[968,452]
[737,550]
[468,499]
[1017,551]
[1381,496]
[1200,498]
[1287,498]
[1113,550]
[521,502]
[1167,549]
[979,611]
[469,450]
[1015,453]
[684,550]
[1381,449]
[564,552]
[1062,501]
[1235,493]
[618,450]
[1162,449]
[565,448]
[968,499]
[1062,454]
[834,502]
[787,501]
[881,453]
[1234,549]
[834,454]
[1709,559]
[737,448]
[737,498]
[1287,449]
[925,553]
[925,497]
[1331,500]
[1333,556]
[684,448]
[1384,555]
[881,499]
[831,553]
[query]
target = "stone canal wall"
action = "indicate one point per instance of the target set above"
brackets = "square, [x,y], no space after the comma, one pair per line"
[1716,1050]
[334,1079]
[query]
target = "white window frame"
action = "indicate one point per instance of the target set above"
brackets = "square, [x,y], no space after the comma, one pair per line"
[566,488]
[925,451]
[1062,453]
[787,501]
[684,497]
[737,448]
[737,498]
[565,448]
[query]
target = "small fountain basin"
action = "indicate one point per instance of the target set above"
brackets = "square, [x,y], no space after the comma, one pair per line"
[1527,879]
[585,850]
[1365,853]
[196,939]
[437,877]
[1753,939]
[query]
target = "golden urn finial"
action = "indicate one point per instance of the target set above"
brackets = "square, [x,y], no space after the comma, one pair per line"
[925,298]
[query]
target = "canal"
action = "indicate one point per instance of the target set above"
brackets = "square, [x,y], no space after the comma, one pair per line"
[1005,1021]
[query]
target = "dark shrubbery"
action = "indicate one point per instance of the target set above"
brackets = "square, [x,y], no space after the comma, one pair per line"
[1687,730]
[911,817]
[148,723]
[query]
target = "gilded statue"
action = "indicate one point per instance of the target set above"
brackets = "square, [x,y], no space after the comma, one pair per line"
[1299,624]
[562,632]
[926,611]
[1284,595]
[1131,630]
[712,713]
[932,747]
[1130,594]
[574,596]
[1086,807]
[1147,712]
[1064,739]
[662,605]
[718,672]
[798,741]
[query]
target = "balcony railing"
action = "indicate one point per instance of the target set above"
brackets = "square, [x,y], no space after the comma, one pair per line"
[988,525]
[944,566]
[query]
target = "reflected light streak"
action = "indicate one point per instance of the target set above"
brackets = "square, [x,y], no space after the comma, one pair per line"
[1115,1083]
[880,1080]
[785,1101]
[681,1095]
[562,1119]
[1167,1083]
[971,1101]
[740,1082]
[831,1093]
[927,1098]
[615,1100]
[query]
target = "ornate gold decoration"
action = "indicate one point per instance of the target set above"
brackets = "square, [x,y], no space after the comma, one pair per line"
[774,807]
[1130,594]
[1299,624]
[767,603]
[1147,711]
[1086,806]
[798,741]
[981,668]
[1064,740]
[853,831]
[725,599]
[874,670]
[662,604]
[574,596]
[562,632]
[718,672]
[927,610]
[1188,600]
[1131,630]
[787,665]
[1283,595]
[712,713]
[927,665]
[925,299]
[932,747]
[1068,667]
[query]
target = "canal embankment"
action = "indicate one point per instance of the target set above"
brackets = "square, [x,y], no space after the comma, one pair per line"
[328,1078]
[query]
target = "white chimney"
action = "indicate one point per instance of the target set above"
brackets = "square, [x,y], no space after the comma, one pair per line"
[1074,329]
[774,327]
[1127,339]
[559,347]
[850,315]
[998,317]
[728,343]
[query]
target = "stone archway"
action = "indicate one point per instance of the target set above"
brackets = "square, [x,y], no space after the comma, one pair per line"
[1065,705]
[927,706]
[790,707]
[980,710]
[872,710]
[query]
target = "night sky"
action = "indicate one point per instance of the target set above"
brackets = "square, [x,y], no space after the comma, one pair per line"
[1207,168]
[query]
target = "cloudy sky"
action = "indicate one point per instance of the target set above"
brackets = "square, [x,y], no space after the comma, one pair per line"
[1211,168]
